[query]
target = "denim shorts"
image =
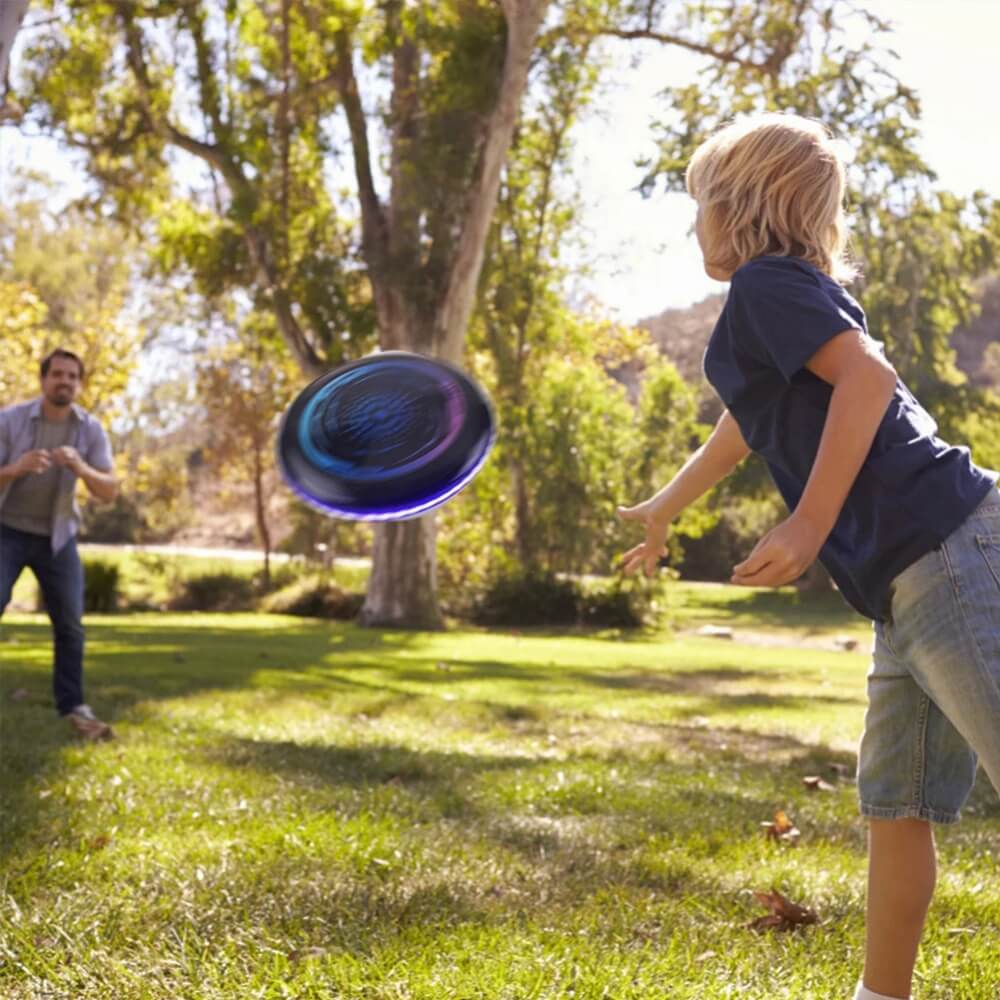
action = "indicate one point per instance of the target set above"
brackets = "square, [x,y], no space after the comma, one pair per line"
[934,683]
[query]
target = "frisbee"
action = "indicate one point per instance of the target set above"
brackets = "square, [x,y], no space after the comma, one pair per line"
[386,438]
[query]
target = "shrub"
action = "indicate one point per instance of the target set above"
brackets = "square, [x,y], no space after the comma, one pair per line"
[529,598]
[214,592]
[622,604]
[314,597]
[100,586]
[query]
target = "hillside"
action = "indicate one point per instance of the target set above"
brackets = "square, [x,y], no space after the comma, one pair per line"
[682,335]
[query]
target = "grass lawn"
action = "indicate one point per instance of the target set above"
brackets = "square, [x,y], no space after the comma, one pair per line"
[307,809]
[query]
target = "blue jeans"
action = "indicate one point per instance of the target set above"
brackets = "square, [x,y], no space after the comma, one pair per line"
[60,578]
[934,683]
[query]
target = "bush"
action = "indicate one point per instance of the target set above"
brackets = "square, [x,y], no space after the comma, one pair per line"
[314,597]
[529,598]
[622,604]
[100,586]
[214,592]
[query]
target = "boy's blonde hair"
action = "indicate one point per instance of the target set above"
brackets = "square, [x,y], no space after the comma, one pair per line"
[772,184]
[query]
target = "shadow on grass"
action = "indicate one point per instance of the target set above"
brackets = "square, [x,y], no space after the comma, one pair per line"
[138,659]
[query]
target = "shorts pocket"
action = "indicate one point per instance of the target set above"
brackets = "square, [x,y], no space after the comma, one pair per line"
[989,545]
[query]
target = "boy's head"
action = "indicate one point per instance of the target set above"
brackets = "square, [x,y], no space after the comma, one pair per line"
[770,184]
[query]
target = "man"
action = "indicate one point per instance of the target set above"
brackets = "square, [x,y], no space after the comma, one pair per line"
[47,444]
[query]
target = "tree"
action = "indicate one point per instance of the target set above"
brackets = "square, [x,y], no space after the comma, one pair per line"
[243,387]
[268,87]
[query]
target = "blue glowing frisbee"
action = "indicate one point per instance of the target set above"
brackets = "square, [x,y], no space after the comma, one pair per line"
[385,438]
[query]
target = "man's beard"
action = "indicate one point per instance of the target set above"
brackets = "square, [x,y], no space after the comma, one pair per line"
[61,397]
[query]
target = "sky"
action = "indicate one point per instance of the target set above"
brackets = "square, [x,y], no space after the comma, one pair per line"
[642,252]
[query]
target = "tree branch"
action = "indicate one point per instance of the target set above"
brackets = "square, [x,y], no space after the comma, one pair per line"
[256,242]
[373,224]
[159,124]
[728,56]
[524,18]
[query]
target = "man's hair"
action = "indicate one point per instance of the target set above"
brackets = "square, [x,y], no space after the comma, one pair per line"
[773,184]
[60,352]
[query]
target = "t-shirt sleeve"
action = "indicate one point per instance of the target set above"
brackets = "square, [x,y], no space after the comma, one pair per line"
[786,314]
[99,449]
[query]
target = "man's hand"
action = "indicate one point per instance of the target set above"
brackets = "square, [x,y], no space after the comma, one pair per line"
[782,555]
[32,461]
[70,457]
[647,553]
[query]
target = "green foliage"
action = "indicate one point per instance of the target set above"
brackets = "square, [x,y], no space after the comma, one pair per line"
[742,522]
[313,596]
[223,591]
[624,602]
[971,417]
[100,586]
[65,280]
[526,598]
[921,259]
[473,540]
[309,530]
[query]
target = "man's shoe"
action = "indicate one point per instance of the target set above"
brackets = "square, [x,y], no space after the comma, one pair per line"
[88,725]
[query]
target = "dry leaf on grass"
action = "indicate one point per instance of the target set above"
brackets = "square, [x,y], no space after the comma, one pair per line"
[782,829]
[19,694]
[784,916]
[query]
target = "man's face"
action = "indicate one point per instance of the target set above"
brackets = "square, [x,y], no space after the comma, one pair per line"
[61,385]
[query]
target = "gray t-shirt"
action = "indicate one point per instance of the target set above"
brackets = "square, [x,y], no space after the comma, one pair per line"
[30,504]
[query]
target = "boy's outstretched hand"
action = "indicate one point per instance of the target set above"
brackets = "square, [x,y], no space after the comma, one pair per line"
[647,553]
[782,555]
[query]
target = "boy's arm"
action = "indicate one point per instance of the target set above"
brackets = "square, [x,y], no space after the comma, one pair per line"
[723,450]
[863,384]
[713,461]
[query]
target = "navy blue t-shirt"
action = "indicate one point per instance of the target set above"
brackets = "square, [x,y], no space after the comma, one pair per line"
[913,489]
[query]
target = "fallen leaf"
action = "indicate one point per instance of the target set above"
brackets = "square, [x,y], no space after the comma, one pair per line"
[19,694]
[784,916]
[816,784]
[782,829]
[99,842]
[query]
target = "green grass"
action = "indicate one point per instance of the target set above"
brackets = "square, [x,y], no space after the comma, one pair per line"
[311,810]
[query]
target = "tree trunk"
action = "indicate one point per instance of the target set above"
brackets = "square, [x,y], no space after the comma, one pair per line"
[402,590]
[522,514]
[261,511]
